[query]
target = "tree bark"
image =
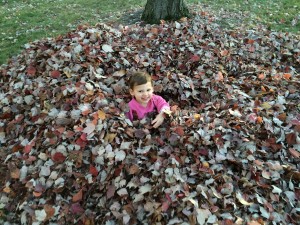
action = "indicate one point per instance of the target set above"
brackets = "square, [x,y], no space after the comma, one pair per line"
[157,10]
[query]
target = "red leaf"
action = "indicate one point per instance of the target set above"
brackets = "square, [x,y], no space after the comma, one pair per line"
[93,171]
[165,206]
[77,209]
[31,70]
[58,157]
[28,147]
[195,58]
[251,41]
[81,142]
[55,74]
[203,152]
[83,137]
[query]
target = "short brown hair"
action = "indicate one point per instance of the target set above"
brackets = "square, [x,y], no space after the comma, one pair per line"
[139,78]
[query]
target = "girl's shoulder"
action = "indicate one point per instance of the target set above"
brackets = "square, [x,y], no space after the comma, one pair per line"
[132,102]
[156,97]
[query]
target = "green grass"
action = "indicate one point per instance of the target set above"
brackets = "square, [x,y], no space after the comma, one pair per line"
[23,21]
[277,15]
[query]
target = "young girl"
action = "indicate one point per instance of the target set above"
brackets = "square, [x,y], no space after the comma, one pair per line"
[144,101]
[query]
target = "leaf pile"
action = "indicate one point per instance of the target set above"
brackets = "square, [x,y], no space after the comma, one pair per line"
[229,154]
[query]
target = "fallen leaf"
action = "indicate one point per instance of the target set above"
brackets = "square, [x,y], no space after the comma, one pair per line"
[242,200]
[58,157]
[93,171]
[120,155]
[287,76]
[40,215]
[90,127]
[76,209]
[55,74]
[78,196]
[101,115]
[110,191]
[50,211]
[294,153]
[107,48]
[15,173]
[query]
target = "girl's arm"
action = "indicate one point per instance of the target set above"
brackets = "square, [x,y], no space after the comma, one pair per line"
[159,119]
[161,104]
[162,107]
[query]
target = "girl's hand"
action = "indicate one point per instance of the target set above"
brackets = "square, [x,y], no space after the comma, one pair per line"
[159,119]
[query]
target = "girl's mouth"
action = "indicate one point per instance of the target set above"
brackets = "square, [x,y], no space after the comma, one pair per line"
[145,99]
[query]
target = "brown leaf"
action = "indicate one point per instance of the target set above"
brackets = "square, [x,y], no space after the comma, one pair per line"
[37,194]
[252,222]
[259,119]
[6,189]
[179,131]
[31,70]
[119,73]
[133,169]
[287,76]
[261,76]
[111,189]
[219,76]
[78,196]
[282,117]
[15,173]
[49,211]
[224,52]
[291,138]
[294,153]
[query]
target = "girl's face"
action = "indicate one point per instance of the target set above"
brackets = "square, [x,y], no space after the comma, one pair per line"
[142,93]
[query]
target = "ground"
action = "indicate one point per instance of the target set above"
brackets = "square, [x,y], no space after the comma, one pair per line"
[228,154]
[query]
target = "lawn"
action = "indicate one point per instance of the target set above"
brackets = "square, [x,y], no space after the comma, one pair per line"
[228,153]
[23,21]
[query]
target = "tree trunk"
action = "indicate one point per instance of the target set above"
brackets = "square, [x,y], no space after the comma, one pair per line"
[156,10]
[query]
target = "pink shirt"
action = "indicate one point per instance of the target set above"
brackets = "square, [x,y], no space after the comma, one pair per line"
[156,102]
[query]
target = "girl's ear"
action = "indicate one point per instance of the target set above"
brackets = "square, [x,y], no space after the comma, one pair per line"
[131,91]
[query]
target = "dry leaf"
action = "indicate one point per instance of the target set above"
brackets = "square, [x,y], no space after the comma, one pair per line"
[78,196]
[242,200]
[101,115]
[110,137]
[294,153]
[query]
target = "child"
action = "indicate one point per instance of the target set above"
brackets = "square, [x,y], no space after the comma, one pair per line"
[144,101]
